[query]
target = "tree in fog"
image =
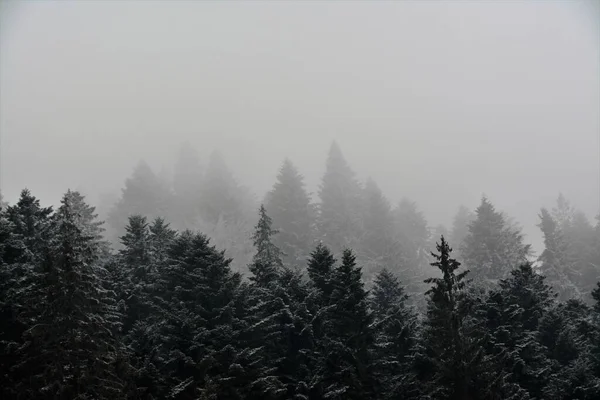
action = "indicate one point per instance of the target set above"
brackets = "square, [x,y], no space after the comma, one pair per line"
[221,194]
[293,215]
[187,187]
[555,263]
[144,194]
[378,245]
[493,247]
[340,206]
[460,227]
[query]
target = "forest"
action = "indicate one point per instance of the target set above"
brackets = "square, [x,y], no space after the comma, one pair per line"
[188,287]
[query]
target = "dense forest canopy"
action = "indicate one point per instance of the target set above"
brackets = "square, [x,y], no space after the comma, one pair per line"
[193,289]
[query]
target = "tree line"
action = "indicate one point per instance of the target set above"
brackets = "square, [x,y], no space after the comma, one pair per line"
[351,304]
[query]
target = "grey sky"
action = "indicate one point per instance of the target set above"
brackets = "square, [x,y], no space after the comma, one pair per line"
[440,101]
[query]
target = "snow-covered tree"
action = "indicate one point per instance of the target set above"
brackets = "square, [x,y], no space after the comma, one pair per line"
[493,246]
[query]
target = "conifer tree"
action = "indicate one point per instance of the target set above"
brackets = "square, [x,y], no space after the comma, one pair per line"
[460,226]
[222,197]
[340,206]
[346,369]
[266,264]
[320,271]
[71,350]
[452,361]
[514,311]
[493,247]
[378,244]
[395,337]
[293,214]
[144,194]
[187,185]
[556,265]
[31,222]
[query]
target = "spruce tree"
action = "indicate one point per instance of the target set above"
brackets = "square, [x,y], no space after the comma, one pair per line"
[378,244]
[460,226]
[346,368]
[395,337]
[31,222]
[292,213]
[493,247]
[452,362]
[340,206]
[187,186]
[222,197]
[514,311]
[320,271]
[71,350]
[555,262]
[144,194]
[266,264]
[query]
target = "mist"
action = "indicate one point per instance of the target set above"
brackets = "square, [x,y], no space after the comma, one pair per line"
[440,102]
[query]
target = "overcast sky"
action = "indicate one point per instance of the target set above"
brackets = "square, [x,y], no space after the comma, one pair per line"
[440,101]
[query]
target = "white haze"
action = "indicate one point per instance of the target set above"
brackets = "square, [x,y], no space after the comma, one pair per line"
[438,101]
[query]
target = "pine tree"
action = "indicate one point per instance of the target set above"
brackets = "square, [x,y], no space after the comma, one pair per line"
[187,184]
[460,226]
[514,312]
[339,210]
[144,194]
[293,214]
[555,262]
[320,271]
[222,197]
[31,222]
[378,244]
[452,361]
[395,337]
[88,220]
[346,368]
[493,247]
[413,236]
[71,350]
[266,264]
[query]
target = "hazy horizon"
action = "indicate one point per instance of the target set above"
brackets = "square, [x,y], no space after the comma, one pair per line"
[440,102]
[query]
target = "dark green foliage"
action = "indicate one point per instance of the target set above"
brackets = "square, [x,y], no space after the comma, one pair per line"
[293,215]
[70,348]
[345,369]
[395,337]
[266,263]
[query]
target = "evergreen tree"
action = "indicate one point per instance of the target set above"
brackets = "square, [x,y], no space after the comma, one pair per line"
[293,214]
[460,226]
[222,197]
[339,210]
[493,247]
[413,236]
[379,247]
[31,222]
[320,271]
[266,264]
[452,361]
[187,184]
[88,221]
[71,350]
[514,311]
[395,337]
[346,368]
[555,262]
[144,194]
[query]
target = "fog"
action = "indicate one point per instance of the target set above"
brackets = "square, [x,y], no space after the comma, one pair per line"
[438,101]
